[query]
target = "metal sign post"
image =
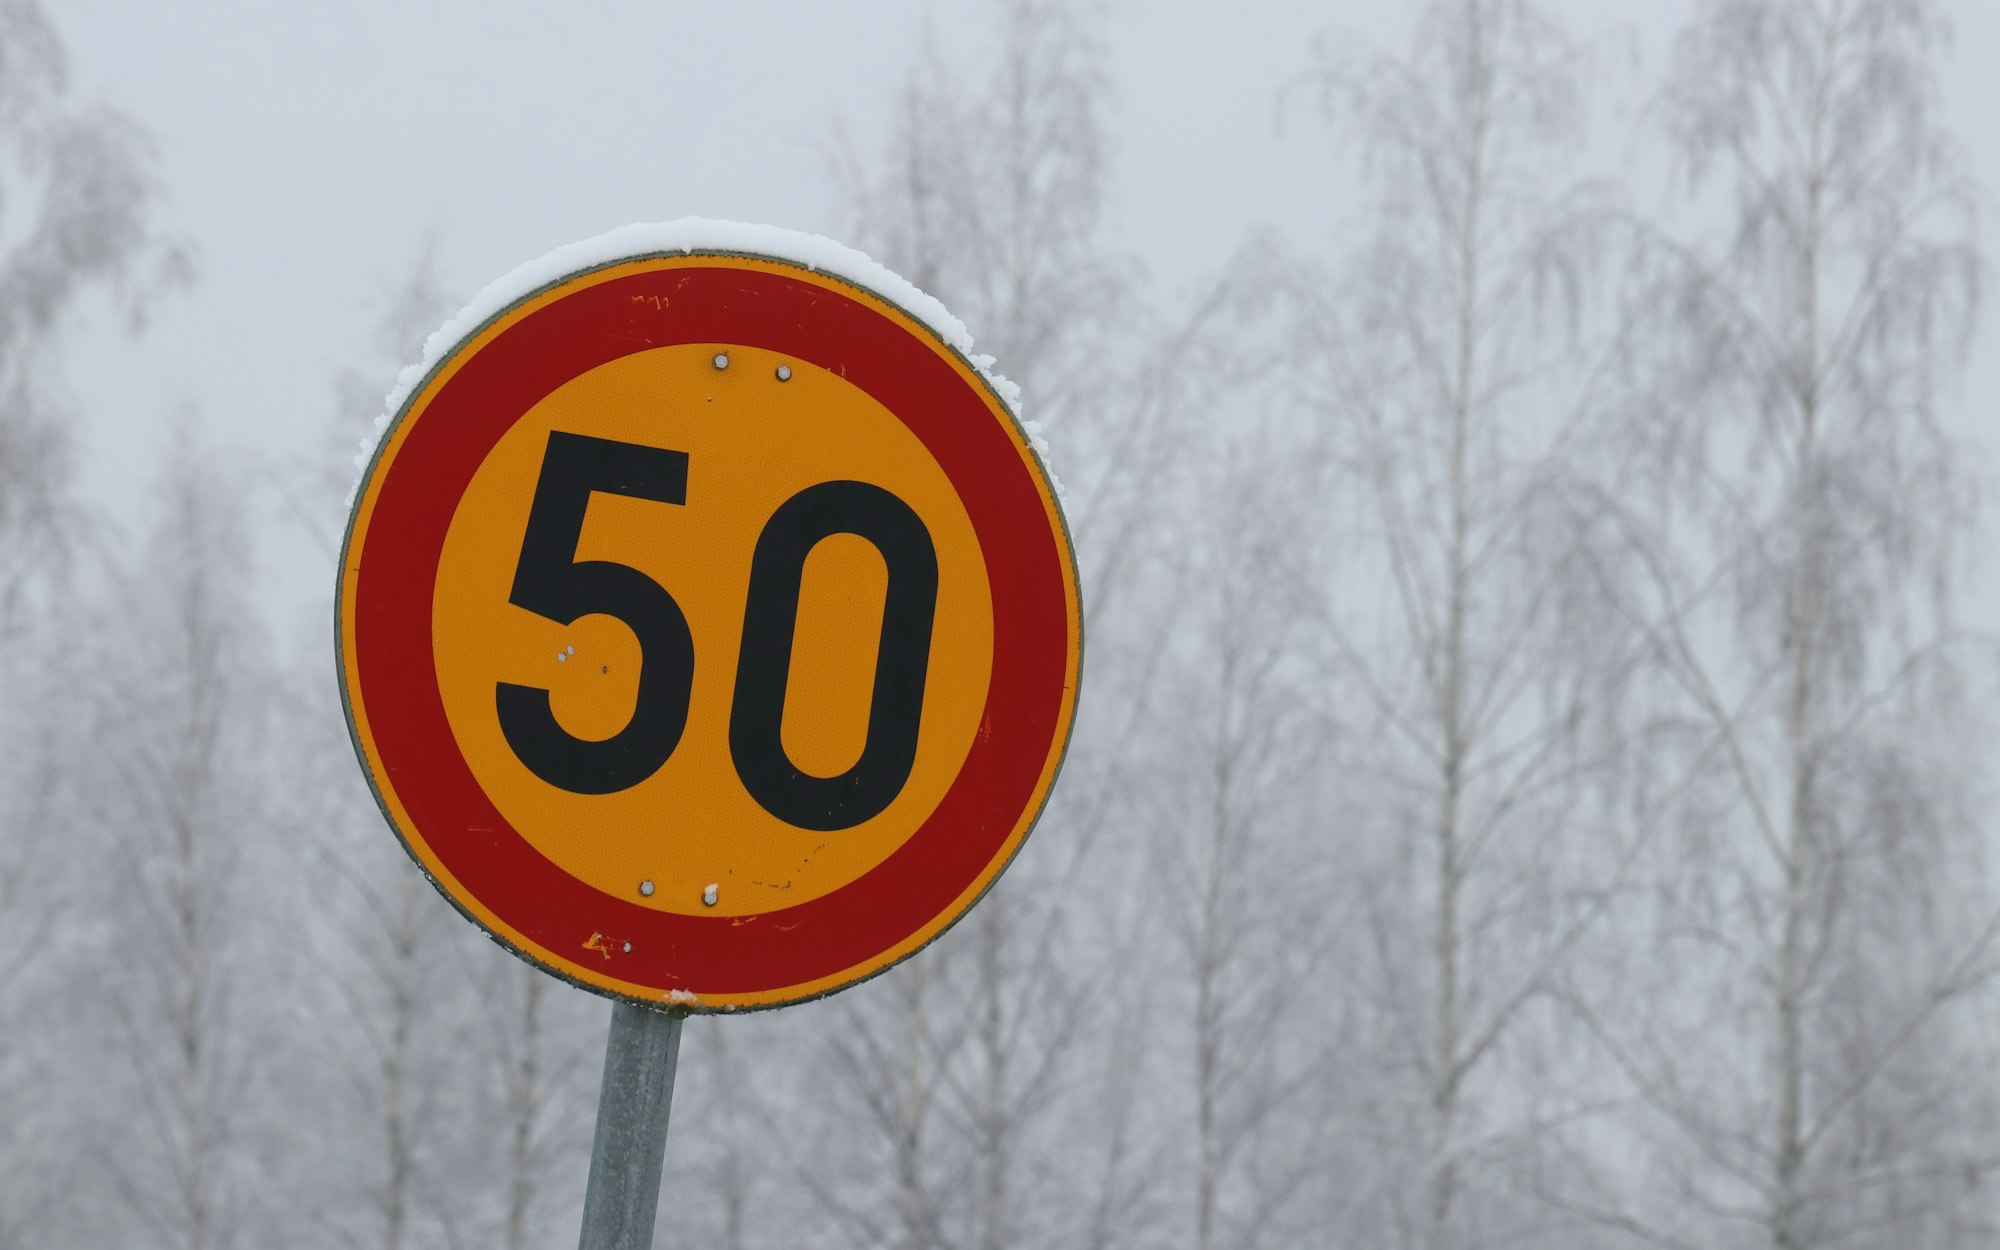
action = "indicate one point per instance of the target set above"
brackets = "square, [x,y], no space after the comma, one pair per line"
[623,1194]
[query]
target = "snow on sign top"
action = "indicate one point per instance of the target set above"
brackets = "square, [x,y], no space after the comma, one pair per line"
[688,235]
[709,626]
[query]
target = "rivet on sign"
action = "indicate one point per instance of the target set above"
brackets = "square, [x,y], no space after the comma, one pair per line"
[722,360]
[708,894]
[784,373]
[646,888]
[628,948]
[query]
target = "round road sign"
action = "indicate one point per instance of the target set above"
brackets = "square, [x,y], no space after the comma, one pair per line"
[708,627]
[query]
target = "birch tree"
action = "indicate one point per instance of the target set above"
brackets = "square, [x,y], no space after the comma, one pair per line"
[1231,799]
[77,205]
[77,200]
[990,198]
[396,1070]
[1807,1039]
[178,718]
[1449,370]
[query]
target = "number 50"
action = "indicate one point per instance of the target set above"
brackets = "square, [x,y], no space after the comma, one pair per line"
[551,582]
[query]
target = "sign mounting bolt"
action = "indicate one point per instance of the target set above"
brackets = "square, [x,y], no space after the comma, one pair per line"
[784,373]
[708,893]
[646,889]
[722,360]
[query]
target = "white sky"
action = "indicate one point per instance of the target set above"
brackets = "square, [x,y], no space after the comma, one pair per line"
[307,150]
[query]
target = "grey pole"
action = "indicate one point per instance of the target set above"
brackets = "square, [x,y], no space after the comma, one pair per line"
[625,1160]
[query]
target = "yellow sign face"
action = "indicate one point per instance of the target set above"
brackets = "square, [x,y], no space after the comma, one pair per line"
[709,631]
[747,453]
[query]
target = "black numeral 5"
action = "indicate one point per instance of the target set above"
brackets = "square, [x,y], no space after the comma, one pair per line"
[550,581]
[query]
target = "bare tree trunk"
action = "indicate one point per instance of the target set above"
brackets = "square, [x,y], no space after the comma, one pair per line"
[400,1160]
[191,806]
[913,1201]
[734,1180]
[996,1112]
[525,1098]
[1451,711]
[1802,626]
[190,1027]
[1208,1039]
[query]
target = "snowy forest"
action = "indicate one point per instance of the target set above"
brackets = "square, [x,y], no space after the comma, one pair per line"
[1533,782]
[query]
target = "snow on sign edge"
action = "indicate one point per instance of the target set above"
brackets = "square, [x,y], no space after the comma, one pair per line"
[695,234]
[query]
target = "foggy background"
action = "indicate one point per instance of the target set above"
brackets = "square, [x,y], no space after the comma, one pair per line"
[1533,781]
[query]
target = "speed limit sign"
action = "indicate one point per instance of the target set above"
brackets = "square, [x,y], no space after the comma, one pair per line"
[708,626]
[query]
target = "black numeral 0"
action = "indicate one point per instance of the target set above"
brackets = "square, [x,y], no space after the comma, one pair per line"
[551,582]
[902,657]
